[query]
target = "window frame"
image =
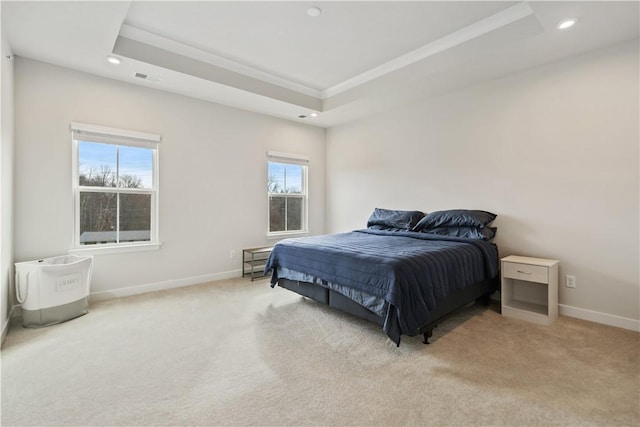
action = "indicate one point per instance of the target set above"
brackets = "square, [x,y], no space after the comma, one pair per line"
[297,160]
[117,137]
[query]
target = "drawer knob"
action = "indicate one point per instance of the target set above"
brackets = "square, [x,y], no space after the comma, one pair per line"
[524,272]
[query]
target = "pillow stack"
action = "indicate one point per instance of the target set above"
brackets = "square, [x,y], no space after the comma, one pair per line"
[469,224]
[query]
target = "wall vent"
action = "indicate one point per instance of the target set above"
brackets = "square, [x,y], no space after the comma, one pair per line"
[148,77]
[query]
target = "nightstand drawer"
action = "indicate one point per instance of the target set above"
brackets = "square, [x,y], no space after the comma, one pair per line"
[530,273]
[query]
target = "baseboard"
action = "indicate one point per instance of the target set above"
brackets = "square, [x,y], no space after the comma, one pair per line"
[15,310]
[563,309]
[598,317]
[5,327]
[159,286]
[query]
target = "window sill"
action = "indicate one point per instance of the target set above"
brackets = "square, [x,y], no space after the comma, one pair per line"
[116,249]
[282,235]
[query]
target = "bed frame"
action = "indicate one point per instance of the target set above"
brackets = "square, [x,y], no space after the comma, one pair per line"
[480,291]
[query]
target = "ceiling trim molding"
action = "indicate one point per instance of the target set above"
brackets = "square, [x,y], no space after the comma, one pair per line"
[165,43]
[477,29]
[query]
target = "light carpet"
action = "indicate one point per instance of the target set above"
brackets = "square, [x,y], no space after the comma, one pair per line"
[240,353]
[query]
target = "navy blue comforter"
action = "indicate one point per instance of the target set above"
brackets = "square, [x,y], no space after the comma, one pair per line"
[411,271]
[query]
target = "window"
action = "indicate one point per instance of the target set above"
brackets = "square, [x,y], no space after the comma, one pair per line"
[115,182]
[287,193]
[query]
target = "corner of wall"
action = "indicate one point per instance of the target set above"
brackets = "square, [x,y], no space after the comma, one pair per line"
[6,180]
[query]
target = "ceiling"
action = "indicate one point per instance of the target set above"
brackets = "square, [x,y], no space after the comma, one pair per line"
[355,59]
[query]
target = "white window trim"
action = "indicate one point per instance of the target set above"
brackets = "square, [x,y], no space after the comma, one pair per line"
[117,248]
[297,159]
[277,235]
[294,159]
[116,137]
[114,132]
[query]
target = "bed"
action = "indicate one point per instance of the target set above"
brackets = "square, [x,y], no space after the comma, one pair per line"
[406,271]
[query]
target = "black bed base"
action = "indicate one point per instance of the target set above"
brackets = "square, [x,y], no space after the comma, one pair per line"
[454,301]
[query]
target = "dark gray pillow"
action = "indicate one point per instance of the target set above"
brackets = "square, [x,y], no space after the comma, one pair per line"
[456,218]
[394,219]
[486,233]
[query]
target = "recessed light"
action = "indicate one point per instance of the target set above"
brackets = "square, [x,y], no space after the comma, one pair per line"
[314,11]
[567,23]
[314,114]
[114,60]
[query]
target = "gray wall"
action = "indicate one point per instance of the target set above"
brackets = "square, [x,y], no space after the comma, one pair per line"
[553,151]
[213,174]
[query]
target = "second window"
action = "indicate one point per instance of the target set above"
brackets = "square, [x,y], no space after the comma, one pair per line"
[287,192]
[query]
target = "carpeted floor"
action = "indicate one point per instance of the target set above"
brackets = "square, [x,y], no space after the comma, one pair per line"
[240,353]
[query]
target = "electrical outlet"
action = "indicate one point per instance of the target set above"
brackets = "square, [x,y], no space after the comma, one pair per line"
[570,281]
[232,254]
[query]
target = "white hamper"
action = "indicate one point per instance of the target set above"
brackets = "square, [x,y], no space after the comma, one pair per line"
[53,290]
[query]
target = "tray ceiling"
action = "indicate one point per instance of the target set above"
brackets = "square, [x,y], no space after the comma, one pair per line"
[354,59]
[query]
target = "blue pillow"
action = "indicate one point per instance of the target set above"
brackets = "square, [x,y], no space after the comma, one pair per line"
[456,218]
[394,219]
[477,233]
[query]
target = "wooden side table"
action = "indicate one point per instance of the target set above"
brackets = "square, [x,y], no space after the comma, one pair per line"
[254,260]
[530,289]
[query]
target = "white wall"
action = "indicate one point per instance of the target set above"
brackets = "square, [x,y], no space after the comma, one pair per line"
[6,182]
[553,151]
[212,173]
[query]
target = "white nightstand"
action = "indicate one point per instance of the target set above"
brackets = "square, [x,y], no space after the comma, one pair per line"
[530,289]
